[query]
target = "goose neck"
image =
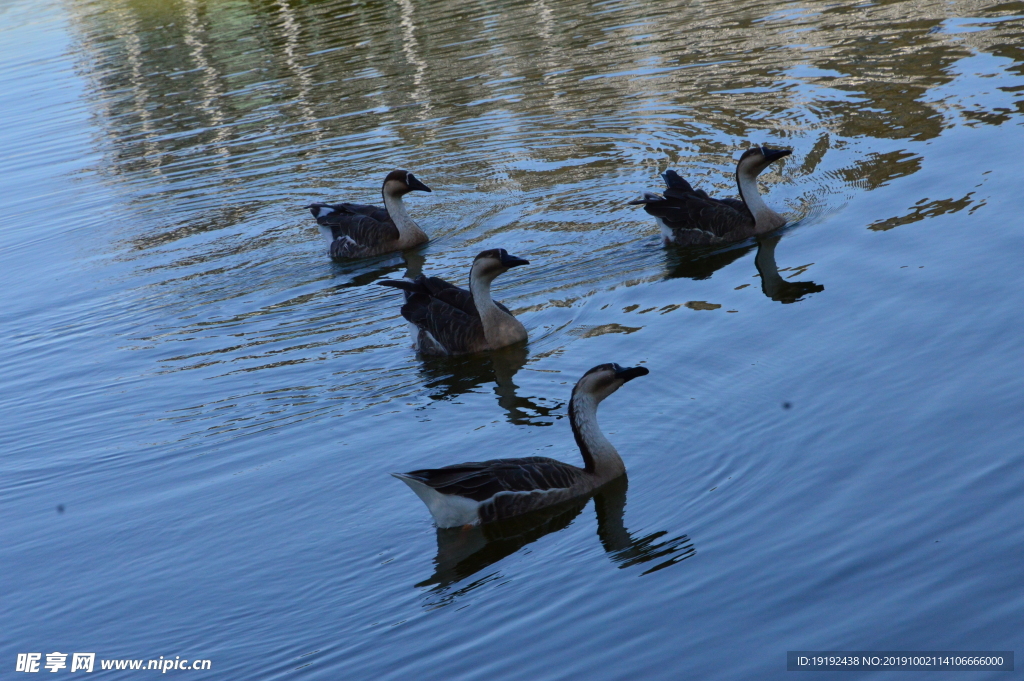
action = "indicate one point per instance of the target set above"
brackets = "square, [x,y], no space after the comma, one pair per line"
[407,227]
[500,327]
[599,455]
[765,219]
[480,287]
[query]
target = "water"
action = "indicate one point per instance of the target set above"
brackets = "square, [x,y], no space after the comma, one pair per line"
[200,410]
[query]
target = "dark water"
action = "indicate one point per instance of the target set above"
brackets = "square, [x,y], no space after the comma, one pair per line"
[826,457]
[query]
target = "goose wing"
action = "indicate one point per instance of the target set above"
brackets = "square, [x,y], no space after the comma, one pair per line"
[695,212]
[338,210]
[451,294]
[451,328]
[683,208]
[444,311]
[378,213]
[447,293]
[482,481]
[357,230]
[735,203]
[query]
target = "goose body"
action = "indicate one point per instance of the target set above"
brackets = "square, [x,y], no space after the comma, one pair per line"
[483,492]
[354,230]
[689,217]
[449,320]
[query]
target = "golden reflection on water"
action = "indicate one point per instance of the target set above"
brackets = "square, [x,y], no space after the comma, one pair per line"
[529,84]
[536,120]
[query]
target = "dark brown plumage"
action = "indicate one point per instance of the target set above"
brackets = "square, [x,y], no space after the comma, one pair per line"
[689,217]
[359,231]
[449,320]
[485,481]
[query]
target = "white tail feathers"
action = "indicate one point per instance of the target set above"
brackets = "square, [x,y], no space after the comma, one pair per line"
[449,510]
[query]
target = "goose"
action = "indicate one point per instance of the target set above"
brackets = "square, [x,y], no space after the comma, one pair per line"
[482,492]
[689,217]
[357,231]
[449,320]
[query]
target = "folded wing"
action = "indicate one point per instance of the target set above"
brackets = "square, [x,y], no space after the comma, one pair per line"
[358,230]
[444,311]
[695,217]
[483,481]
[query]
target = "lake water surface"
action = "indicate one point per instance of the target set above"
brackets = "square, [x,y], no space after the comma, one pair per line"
[200,410]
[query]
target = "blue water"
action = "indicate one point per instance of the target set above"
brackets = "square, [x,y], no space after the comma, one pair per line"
[200,410]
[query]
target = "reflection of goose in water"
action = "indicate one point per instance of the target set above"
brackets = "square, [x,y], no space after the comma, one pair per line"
[772,283]
[462,552]
[449,320]
[362,272]
[449,377]
[357,231]
[482,492]
[702,262]
[689,217]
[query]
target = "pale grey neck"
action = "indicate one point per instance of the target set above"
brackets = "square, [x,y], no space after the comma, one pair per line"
[491,316]
[407,228]
[605,462]
[765,219]
[480,287]
[500,328]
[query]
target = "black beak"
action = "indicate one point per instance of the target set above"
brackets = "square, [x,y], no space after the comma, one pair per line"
[417,185]
[629,373]
[512,261]
[772,155]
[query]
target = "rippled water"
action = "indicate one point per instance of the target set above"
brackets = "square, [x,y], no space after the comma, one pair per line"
[200,408]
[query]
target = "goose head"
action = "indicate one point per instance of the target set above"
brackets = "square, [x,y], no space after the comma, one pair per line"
[753,161]
[489,264]
[401,182]
[604,379]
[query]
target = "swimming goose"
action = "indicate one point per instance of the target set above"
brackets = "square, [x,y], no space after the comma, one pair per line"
[689,217]
[357,231]
[476,493]
[453,321]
